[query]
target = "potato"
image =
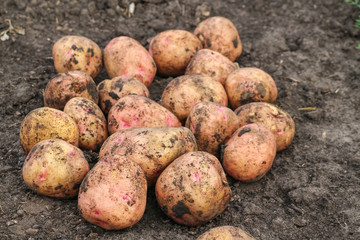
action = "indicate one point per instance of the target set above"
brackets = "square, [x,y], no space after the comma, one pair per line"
[77,53]
[219,34]
[250,85]
[55,168]
[249,153]
[67,85]
[152,148]
[183,92]
[211,125]
[90,120]
[275,119]
[47,123]
[124,56]
[193,189]
[172,51]
[211,63]
[225,233]
[139,111]
[113,193]
[112,90]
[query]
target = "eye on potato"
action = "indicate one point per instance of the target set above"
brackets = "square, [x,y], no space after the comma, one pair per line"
[77,53]
[193,189]
[67,85]
[55,168]
[225,233]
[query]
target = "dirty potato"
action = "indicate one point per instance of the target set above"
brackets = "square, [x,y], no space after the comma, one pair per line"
[225,233]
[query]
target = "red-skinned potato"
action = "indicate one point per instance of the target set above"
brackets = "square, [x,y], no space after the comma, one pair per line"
[46,123]
[67,85]
[219,34]
[113,193]
[183,92]
[211,124]
[55,168]
[77,53]
[250,85]
[225,233]
[124,56]
[193,189]
[249,153]
[90,120]
[152,148]
[211,63]
[172,51]
[279,122]
[111,90]
[139,111]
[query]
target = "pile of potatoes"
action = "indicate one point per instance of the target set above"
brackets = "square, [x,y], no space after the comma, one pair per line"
[212,109]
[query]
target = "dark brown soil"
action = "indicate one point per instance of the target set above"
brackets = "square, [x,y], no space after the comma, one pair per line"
[313,188]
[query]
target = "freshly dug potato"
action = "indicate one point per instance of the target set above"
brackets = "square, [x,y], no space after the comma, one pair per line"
[211,125]
[77,53]
[139,111]
[183,92]
[193,189]
[90,120]
[113,193]
[219,34]
[172,51]
[211,63]
[152,148]
[124,56]
[67,85]
[225,233]
[112,90]
[249,153]
[47,123]
[275,119]
[55,168]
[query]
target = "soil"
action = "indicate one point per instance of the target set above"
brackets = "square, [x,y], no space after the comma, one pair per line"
[308,47]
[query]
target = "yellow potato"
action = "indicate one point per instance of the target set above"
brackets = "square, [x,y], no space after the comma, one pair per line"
[225,233]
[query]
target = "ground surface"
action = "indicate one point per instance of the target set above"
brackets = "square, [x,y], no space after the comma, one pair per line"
[313,188]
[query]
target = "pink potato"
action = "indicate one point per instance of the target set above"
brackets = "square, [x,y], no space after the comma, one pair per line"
[113,193]
[77,53]
[219,34]
[225,233]
[111,90]
[139,111]
[211,63]
[55,168]
[67,85]
[250,85]
[249,153]
[124,56]
[193,189]
[172,51]
[211,124]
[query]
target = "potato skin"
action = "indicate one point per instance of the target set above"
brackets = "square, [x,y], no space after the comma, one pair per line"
[152,148]
[225,233]
[172,51]
[193,189]
[77,53]
[249,153]
[111,90]
[250,85]
[211,63]
[55,168]
[139,111]
[211,124]
[219,34]
[67,85]
[124,56]
[47,123]
[275,119]
[113,193]
[183,92]
[90,120]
